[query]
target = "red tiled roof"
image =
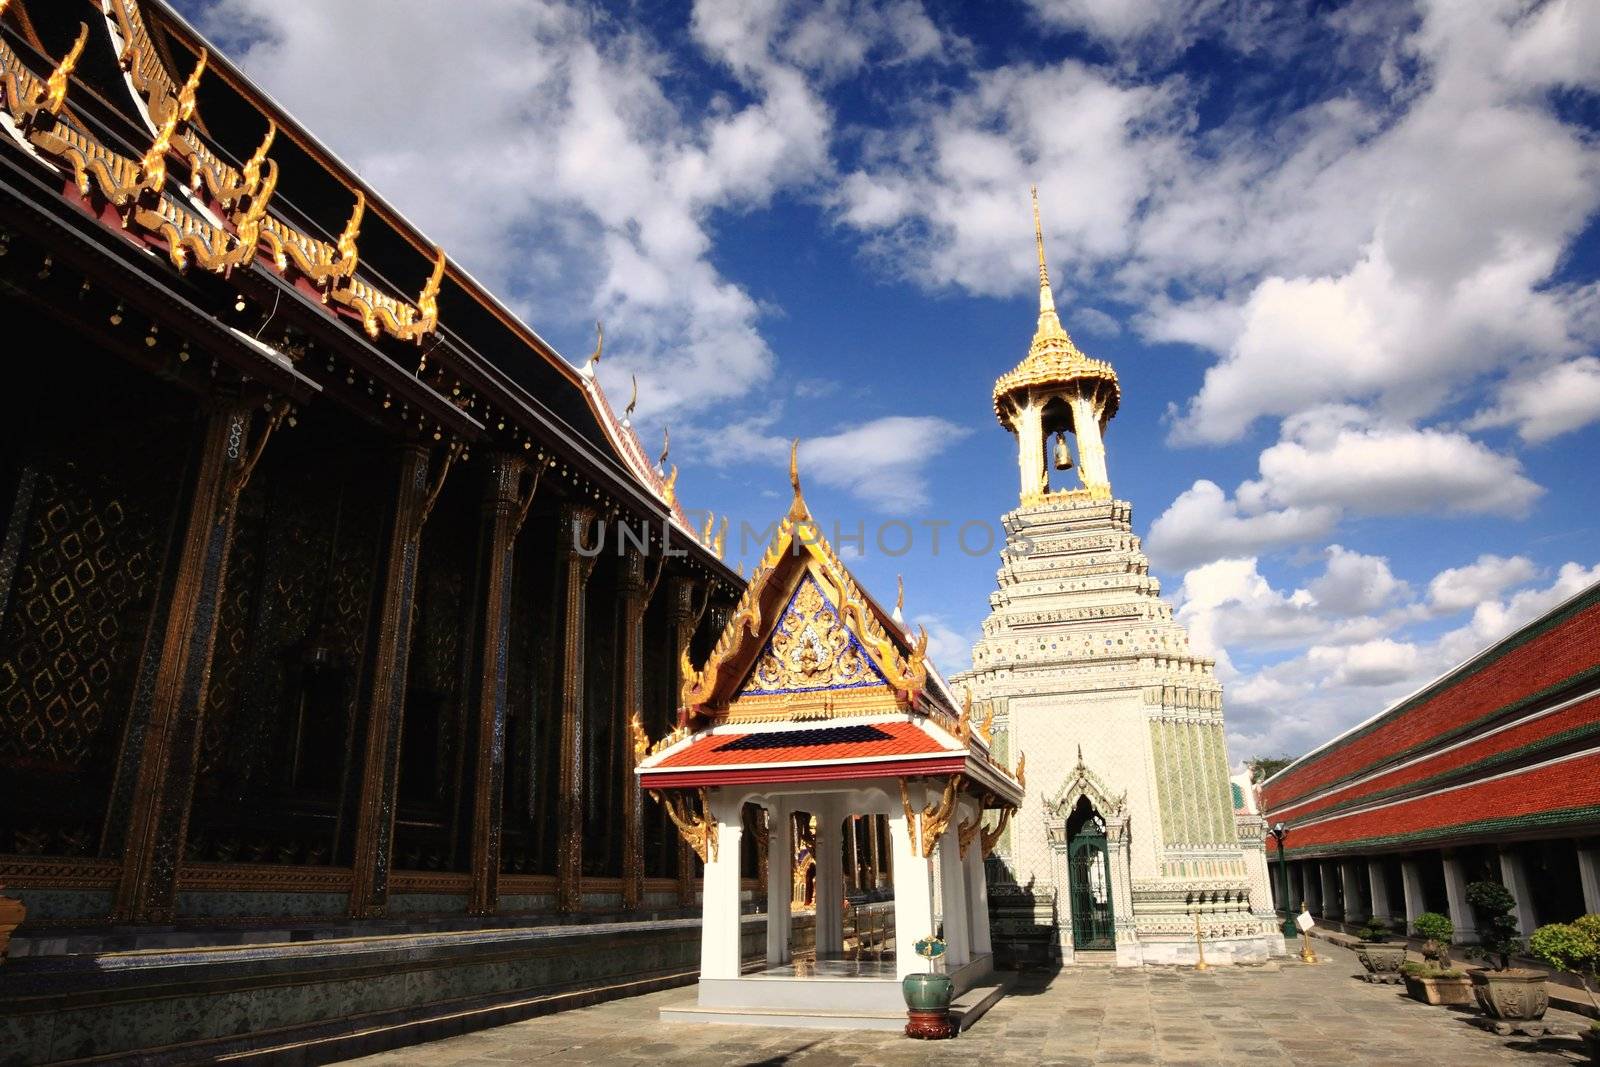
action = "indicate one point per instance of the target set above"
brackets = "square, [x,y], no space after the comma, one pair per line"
[820,743]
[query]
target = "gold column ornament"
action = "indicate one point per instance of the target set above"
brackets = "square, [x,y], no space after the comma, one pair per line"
[635,594]
[682,615]
[54,96]
[698,829]
[992,837]
[929,824]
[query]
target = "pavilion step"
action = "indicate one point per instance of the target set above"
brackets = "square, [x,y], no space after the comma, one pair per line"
[793,1018]
[970,1006]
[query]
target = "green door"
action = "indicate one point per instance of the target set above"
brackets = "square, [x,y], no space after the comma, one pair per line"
[1089,881]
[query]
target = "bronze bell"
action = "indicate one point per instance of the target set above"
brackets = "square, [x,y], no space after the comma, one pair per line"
[1063,457]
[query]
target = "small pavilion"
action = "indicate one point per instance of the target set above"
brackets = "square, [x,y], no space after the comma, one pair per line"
[815,700]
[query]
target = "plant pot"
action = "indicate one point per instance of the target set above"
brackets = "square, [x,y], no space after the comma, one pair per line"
[12,912]
[1382,959]
[1451,992]
[928,1006]
[1516,993]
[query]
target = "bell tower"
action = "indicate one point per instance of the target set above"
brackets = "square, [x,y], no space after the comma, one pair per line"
[1055,391]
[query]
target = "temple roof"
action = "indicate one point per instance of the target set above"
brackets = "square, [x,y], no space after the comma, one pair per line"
[1053,358]
[812,678]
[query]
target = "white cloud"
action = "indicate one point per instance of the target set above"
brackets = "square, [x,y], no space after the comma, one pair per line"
[1202,524]
[1355,584]
[1459,588]
[1549,403]
[883,463]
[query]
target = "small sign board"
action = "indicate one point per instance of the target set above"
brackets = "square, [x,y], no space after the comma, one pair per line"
[1304,921]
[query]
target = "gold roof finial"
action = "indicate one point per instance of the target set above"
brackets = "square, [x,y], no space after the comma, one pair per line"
[794,466]
[633,402]
[186,95]
[666,447]
[54,96]
[1049,322]
[899,599]
[599,345]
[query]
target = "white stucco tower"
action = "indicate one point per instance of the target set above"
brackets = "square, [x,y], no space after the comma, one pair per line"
[1128,835]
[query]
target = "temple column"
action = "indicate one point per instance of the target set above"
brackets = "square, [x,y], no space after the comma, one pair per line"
[780,878]
[913,893]
[573,531]
[1030,450]
[380,776]
[631,588]
[504,510]
[952,884]
[1091,449]
[1514,876]
[851,845]
[1589,875]
[163,777]
[977,892]
[830,883]
[876,850]
[1327,892]
[1455,888]
[1379,885]
[1411,885]
[683,621]
[720,920]
[1353,911]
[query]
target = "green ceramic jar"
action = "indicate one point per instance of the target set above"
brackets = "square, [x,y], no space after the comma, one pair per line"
[927,992]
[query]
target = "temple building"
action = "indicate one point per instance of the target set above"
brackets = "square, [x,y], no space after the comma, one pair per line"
[1127,845]
[1489,772]
[816,701]
[328,590]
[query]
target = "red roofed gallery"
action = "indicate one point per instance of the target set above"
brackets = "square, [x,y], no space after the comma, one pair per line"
[1491,771]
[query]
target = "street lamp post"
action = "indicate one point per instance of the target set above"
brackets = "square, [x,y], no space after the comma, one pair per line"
[1279,831]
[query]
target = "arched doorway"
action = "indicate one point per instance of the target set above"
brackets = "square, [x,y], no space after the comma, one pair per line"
[1089,879]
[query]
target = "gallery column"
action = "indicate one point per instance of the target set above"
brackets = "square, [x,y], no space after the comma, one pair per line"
[163,777]
[683,621]
[380,776]
[1327,892]
[572,534]
[1455,887]
[1353,911]
[631,588]
[1411,883]
[1514,876]
[504,510]
[1589,875]
[1378,884]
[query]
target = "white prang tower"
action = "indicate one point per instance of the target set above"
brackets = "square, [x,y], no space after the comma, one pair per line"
[1128,836]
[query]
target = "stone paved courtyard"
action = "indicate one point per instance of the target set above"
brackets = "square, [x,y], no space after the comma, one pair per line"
[1290,1015]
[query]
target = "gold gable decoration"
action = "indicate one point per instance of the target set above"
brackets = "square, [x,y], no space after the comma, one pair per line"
[810,648]
[798,543]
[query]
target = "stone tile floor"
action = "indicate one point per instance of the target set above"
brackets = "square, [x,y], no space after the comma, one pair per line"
[1291,1014]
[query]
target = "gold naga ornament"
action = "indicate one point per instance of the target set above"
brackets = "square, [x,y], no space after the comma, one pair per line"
[929,824]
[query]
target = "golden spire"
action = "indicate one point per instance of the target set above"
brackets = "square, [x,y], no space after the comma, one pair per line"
[1049,321]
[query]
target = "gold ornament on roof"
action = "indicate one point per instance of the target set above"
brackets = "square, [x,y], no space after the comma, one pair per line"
[809,648]
[599,346]
[928,825]
[697,829]
[991,837]
[54,96]
[186,95]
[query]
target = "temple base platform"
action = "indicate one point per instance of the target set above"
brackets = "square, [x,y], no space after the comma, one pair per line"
[833,995]
[316,1001]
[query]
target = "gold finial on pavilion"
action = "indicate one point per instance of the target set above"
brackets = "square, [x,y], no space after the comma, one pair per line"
[633,402]
[899,599]
[1022,762]
[54,96]
[722,537]
[1049,321]
[599,346]
[251,171]
[794,466]
[666,447]
[186,94]
[711,524]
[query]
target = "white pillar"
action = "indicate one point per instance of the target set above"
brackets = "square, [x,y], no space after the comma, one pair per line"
[830,883]
[913,897]
[1327,893]
[780,881]
[719,917]
[953,886]
[977,899]
[1455,888]
[1353,911]
[1514,876]
[1589,874]
[1304,882]
[1411,881]
[1378,882]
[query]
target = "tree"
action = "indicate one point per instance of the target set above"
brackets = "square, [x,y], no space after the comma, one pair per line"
[1497,922]
[1264,767]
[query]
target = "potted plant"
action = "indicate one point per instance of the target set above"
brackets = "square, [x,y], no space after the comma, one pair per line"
[1379,955]
[12,912]
[1433,981]
[1574,947]
[928,995]
[1515,994]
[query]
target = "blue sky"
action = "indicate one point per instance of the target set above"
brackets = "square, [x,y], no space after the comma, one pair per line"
[1343,256]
